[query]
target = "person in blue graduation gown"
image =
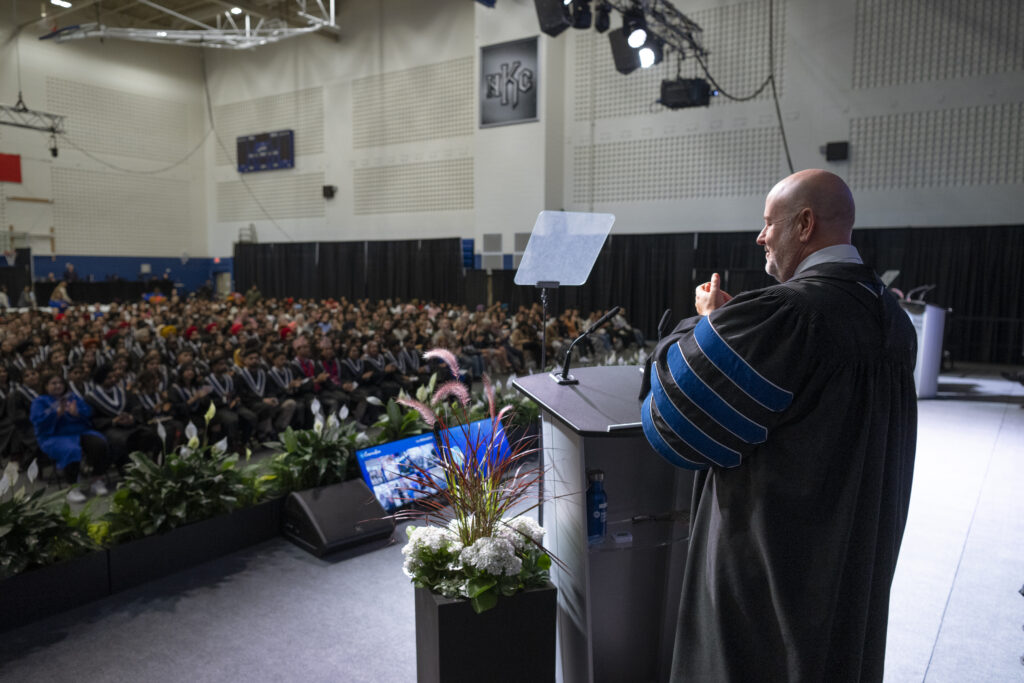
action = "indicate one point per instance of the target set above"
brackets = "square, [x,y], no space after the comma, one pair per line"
[61,421]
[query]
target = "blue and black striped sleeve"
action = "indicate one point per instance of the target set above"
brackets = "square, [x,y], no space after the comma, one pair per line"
[720,382]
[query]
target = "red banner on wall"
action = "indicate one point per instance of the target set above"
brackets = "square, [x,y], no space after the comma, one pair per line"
[10,168]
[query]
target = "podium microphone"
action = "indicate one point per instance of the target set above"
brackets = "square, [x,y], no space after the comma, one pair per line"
[565,377]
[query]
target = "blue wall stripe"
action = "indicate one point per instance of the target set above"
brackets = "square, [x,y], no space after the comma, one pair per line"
[687,431]
[738,370]
[705,398]
[659,444]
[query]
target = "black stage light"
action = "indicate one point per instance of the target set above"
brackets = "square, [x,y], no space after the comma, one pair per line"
[602,17]
[626,59]
[652,52]
[685,92]
[634,26]
[553,16]
[581,15]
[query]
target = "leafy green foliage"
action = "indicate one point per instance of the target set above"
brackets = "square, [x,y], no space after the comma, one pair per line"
[37,530]
[398,422]
[192,484]
[320,456]
[522,413]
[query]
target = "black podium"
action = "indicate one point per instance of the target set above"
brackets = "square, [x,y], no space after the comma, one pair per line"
[617,600]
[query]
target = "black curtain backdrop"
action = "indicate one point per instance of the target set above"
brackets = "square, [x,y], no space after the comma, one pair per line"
[15,277]
[977,273]
[423,269]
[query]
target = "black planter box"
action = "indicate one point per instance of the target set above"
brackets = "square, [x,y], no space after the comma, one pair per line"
[49,590]
[514,641]
[153,557]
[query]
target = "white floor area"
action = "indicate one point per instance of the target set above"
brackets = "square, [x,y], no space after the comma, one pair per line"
[956,614]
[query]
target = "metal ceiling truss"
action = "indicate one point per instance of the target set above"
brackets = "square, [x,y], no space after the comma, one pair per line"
[252,27]
[21,116]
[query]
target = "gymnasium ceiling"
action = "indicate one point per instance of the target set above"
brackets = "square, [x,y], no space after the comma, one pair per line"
[212,23]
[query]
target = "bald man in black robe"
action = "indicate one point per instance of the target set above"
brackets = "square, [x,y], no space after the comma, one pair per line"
[797,402]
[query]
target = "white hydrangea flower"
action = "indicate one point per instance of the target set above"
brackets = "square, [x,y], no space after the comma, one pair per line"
[422,539]
[528,527]
[493,555]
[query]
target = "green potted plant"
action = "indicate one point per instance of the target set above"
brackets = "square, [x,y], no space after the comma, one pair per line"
[198,504]
[50,558]
[479,566]
[307,458]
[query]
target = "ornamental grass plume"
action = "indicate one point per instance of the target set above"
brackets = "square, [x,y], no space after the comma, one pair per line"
[482,547]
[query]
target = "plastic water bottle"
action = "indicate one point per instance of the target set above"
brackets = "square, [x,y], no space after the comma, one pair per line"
[597,508]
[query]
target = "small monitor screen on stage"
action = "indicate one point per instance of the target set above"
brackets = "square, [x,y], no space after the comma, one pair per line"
[266,151]
[397,472]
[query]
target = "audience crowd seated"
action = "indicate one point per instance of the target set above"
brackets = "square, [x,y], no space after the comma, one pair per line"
[84,386]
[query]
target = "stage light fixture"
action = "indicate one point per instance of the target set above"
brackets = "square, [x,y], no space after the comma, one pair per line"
[602,17]
[581,15]
[652,52]
[553,16]
[626,59]
[53,147]
[634,27]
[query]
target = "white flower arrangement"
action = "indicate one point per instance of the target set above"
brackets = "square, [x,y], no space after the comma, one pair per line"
[481,552]
[511,560]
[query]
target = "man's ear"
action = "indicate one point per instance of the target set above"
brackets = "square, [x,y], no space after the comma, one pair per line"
[805,224]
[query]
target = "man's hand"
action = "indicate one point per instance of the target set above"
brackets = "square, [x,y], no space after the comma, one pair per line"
[708,296]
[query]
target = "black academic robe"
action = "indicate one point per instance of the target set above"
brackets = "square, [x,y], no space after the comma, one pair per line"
[798,401]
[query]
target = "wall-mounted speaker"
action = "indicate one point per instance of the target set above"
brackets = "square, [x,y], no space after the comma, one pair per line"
[837,151]
[329,191]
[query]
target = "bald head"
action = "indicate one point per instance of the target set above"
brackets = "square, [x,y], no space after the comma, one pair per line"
[804,213]
[826,196]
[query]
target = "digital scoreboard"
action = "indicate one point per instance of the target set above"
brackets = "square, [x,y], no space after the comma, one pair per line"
[266,151]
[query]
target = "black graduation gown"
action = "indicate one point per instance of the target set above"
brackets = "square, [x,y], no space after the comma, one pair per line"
[122,439]
[806,426]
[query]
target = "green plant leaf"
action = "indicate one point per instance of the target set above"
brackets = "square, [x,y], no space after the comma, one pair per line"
[484,601]
[478,585]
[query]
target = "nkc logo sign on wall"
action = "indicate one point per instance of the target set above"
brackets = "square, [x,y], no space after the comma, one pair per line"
[508,83]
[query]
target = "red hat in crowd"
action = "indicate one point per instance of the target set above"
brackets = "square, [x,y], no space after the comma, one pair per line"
[236,328]
[110,334]
[190,330]
[285,331]
[211,328]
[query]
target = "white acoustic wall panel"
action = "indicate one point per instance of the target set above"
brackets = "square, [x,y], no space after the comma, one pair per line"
[113,122]
[735,36]
[300,110]
[423,103]
[968,146]
[120,214]
[445,185]
[276,194]
[717,164]
[912,41]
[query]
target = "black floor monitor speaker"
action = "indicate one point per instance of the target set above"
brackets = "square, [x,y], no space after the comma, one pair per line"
[335,517]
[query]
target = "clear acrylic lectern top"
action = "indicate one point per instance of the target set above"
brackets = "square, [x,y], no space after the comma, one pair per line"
[563,247]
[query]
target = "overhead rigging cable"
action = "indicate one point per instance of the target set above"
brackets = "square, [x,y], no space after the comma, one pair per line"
[770,80]
[66,138]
